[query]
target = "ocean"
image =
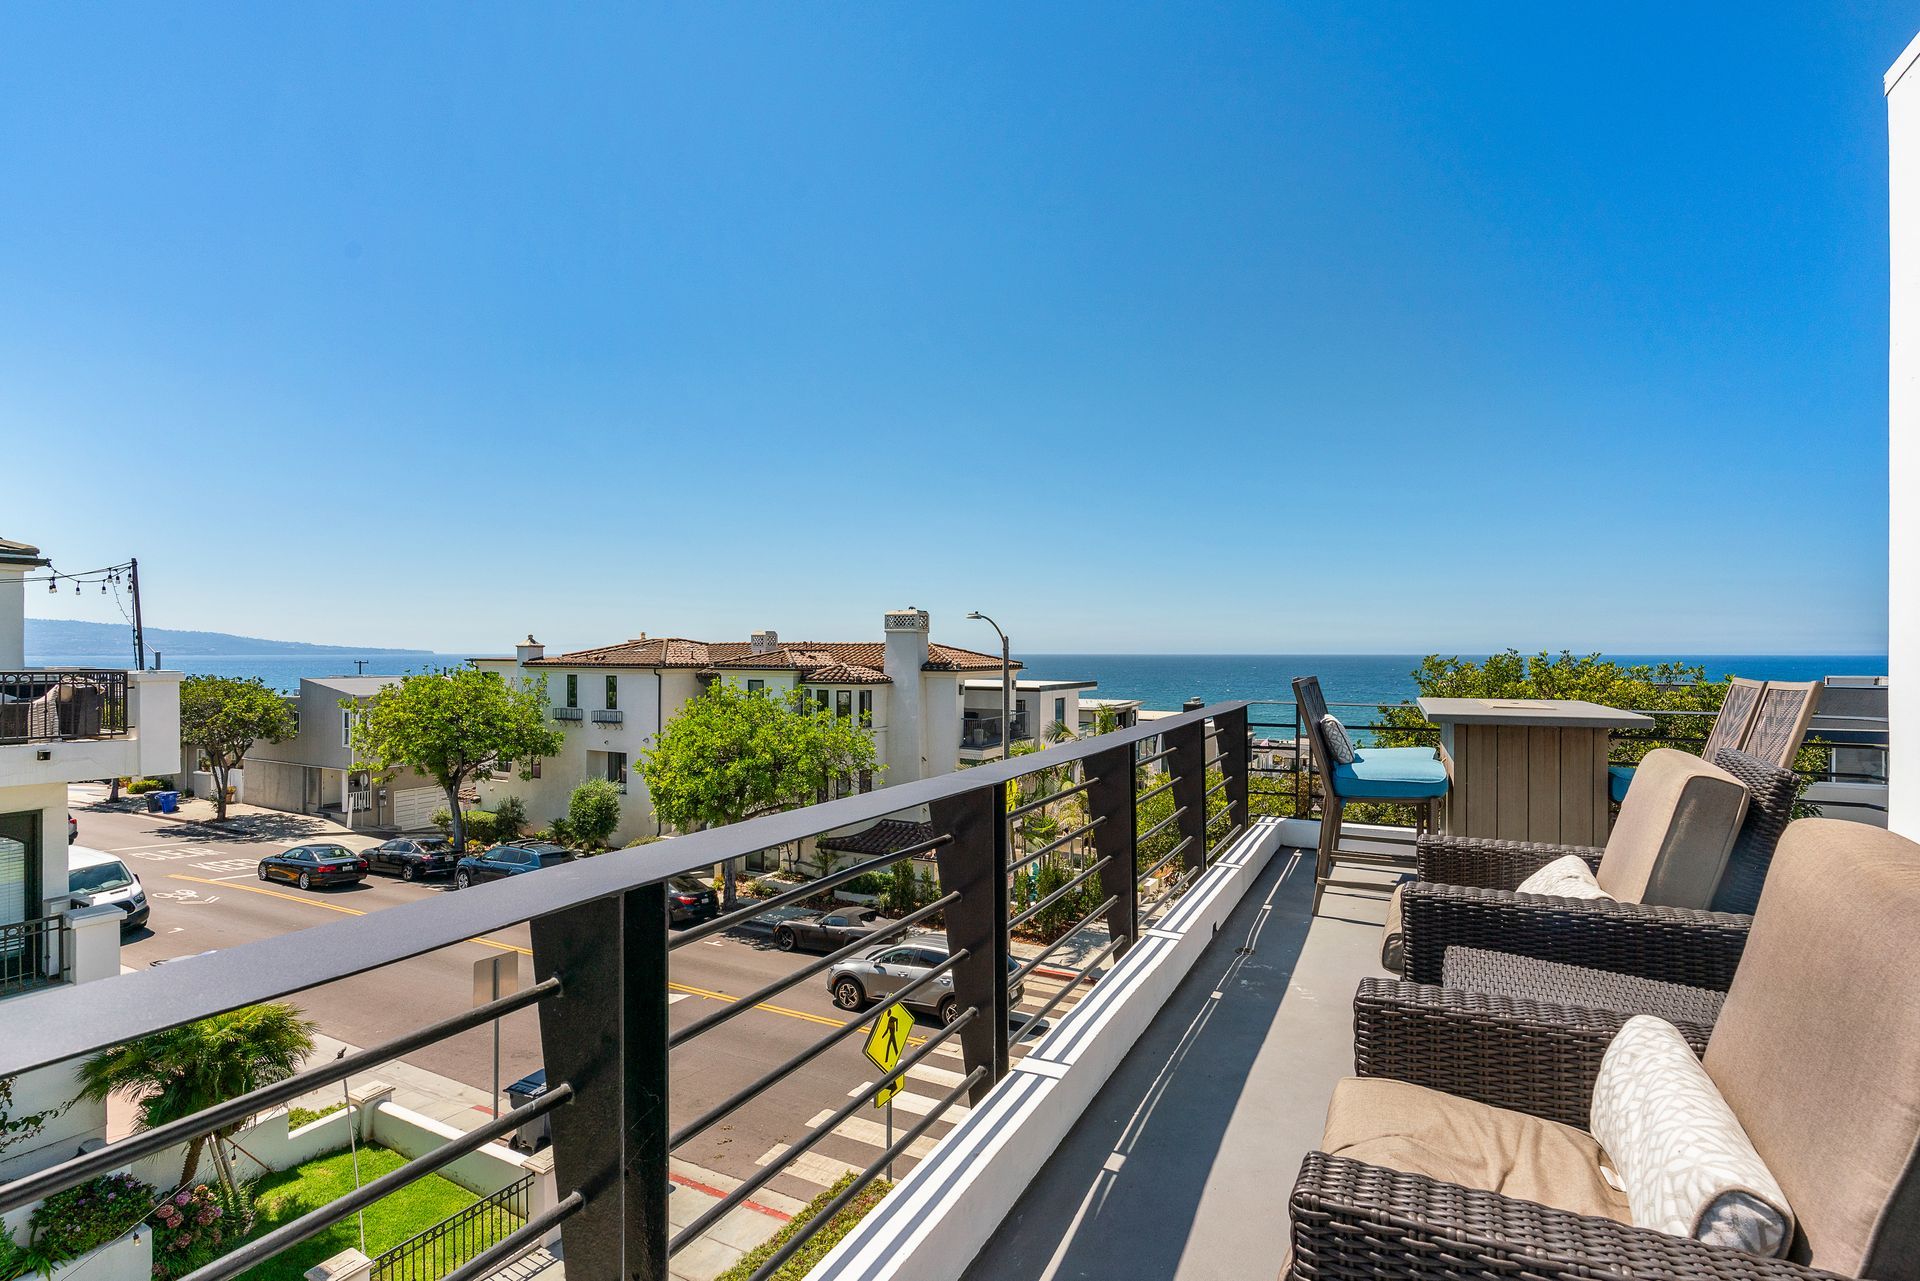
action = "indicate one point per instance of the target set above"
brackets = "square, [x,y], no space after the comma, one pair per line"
[1157,680]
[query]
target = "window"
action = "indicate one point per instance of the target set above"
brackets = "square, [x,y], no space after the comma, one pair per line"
[866,707]
[535,771]
[822,697]
[573,691]
[617,769]
[1060,711]
[755,686]
[346,729]
[843,704]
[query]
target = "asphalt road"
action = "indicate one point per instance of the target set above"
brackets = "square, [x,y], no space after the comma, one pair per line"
[205,894]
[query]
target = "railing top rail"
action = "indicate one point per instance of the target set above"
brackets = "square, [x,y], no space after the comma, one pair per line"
[53,1026]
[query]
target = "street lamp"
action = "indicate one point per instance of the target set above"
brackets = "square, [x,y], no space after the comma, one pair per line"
[1006,684]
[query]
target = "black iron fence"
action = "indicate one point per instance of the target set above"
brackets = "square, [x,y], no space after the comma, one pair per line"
[47,705]
[34,953]
[431,1255]
[601,954]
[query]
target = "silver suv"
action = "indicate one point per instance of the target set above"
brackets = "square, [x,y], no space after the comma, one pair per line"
[859,981]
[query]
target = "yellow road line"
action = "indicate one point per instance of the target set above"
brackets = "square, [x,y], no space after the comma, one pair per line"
[308,901]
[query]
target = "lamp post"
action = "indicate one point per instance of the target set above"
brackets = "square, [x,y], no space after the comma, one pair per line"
[1006,684]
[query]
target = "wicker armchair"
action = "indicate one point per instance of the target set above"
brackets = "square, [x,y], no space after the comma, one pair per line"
[1817,1052]
[1465,897]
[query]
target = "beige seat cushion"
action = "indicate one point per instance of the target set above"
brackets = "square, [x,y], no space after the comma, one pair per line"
[1669,845]
[1817,1048]
[1421,1131]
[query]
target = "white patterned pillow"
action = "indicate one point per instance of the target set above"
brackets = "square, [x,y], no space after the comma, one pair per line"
[1339,746]
[1685,1163]
[1566,877]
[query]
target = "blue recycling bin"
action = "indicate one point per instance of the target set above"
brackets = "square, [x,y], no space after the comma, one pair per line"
[169,802]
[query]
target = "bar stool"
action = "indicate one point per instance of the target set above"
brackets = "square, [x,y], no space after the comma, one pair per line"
[1765,719]
[1398,775]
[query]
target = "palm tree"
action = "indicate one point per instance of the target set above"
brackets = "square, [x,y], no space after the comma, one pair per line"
[182,1070]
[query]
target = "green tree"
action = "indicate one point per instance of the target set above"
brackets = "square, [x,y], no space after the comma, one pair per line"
[593,811]
[223,716]
[183,1070]
[450,726]
[731,754]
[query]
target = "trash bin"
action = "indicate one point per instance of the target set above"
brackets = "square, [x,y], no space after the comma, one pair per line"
[169,801]
[153,802]
[537,1133]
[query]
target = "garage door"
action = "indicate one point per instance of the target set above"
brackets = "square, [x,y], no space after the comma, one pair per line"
[413,807]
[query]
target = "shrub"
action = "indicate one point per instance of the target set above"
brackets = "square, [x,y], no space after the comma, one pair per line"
[442,820]
[189,1229]
[141,786]
[509,818]
[874,883]
[593,812]
[638,841]
[299,1116]
[796,1268]
[68,1224]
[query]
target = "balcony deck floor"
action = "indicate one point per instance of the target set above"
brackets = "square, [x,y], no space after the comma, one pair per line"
[1182,1166]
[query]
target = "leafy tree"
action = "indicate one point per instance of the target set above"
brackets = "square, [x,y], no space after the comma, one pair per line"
[183,1070]
[593,811]
[732,754]
[450,726]
[223,716]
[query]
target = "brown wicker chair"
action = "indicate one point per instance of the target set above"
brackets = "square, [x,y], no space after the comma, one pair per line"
[1817,1051]
[1465,898]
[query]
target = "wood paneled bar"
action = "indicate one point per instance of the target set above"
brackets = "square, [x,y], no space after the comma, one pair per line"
[1527,769]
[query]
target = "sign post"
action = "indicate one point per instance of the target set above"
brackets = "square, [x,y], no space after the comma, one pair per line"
[886,1041]
[494,977]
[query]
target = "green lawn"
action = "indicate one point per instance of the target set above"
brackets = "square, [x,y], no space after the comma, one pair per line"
[281,1197]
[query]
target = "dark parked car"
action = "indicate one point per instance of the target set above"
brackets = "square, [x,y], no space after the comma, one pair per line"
[690,900]
[311,865]
[73,829]
[412,857]
[508,860]
[823,931]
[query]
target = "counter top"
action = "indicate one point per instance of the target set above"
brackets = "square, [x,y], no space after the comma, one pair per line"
[1570,712]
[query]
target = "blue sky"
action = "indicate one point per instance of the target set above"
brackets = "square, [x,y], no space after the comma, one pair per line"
[1385,328]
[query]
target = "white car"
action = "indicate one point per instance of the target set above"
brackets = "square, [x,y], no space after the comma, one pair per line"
[95,877]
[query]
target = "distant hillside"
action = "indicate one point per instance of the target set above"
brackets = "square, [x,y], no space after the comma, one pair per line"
[57,636]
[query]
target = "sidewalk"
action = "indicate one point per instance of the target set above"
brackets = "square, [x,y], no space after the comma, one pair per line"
[1066,960]
[243,823]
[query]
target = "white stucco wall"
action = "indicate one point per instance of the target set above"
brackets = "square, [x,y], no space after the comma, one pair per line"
[1903,430]
[13,617]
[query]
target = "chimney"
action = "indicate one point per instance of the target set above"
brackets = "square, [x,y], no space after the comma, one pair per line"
[532,649]
[766,642]
[906,656]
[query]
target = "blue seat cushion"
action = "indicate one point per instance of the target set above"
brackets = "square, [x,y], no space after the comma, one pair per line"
[1391,774]
[1619,778]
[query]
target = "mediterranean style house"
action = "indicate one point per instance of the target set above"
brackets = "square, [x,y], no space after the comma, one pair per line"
[930,706]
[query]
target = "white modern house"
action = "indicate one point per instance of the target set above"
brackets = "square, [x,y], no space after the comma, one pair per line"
[1038,707]
[61,725]
[314,771]
[610,702]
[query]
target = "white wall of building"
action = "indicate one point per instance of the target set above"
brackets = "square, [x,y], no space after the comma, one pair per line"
[13,617]
[1903,430]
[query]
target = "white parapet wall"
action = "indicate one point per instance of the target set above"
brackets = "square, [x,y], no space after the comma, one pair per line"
[1903,432]
[933,1223]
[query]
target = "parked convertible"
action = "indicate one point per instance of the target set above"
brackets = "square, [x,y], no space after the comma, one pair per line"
[412,857]
[508,860]
[821,931]
[311,865]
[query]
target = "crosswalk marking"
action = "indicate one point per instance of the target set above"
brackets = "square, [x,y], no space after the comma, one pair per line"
[935,1076]
[920,1105]
[874,1135]
[811,1166]
[674,998]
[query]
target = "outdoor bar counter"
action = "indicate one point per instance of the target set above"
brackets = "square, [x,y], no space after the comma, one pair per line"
[1527,769]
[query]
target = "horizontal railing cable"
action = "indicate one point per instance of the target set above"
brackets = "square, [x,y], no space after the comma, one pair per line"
[1171,855]
[1152,792]
[785,898]
[1161,826]
[773,1075]
[32,1187]
[719,1209]
[1047,902]
[520,1241]
[1041,802]
[1160,755]
[865,943]
[1038,959]
[1215,786]
[798,1240]
[1056,843]
[1079,976]
[262,1248]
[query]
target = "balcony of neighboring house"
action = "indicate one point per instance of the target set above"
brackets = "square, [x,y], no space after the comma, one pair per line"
[1134,991]
[980,737]
[60,724]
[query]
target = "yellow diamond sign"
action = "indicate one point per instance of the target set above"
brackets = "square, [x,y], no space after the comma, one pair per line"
[886,1041]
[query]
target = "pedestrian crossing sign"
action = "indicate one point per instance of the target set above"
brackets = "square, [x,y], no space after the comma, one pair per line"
[886,1041]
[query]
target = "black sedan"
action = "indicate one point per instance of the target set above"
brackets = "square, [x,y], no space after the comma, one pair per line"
[413,857]
[508,860]
[690,900]
[311,865]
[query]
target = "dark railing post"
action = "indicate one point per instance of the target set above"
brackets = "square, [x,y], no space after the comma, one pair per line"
[974,864]
[1188,765]
[1111,798]
[1236,764]
[1302,789]
[605,1033]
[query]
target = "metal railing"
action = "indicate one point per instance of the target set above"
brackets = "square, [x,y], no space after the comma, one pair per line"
[431,1255]
[34,953]
[607,716]
[568,713]
[601,955]
[48,705]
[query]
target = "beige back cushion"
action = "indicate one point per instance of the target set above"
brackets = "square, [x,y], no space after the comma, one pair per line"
[1817,1049]
[1669,846]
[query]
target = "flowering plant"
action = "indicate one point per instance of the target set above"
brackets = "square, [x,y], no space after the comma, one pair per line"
[191,1227]
[68,1224]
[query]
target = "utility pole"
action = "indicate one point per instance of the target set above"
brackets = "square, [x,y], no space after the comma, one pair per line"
[139,634]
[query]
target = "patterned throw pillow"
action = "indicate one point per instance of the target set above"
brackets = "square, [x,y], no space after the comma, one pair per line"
[1339,746]
[1685,1163]
[1566,877]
